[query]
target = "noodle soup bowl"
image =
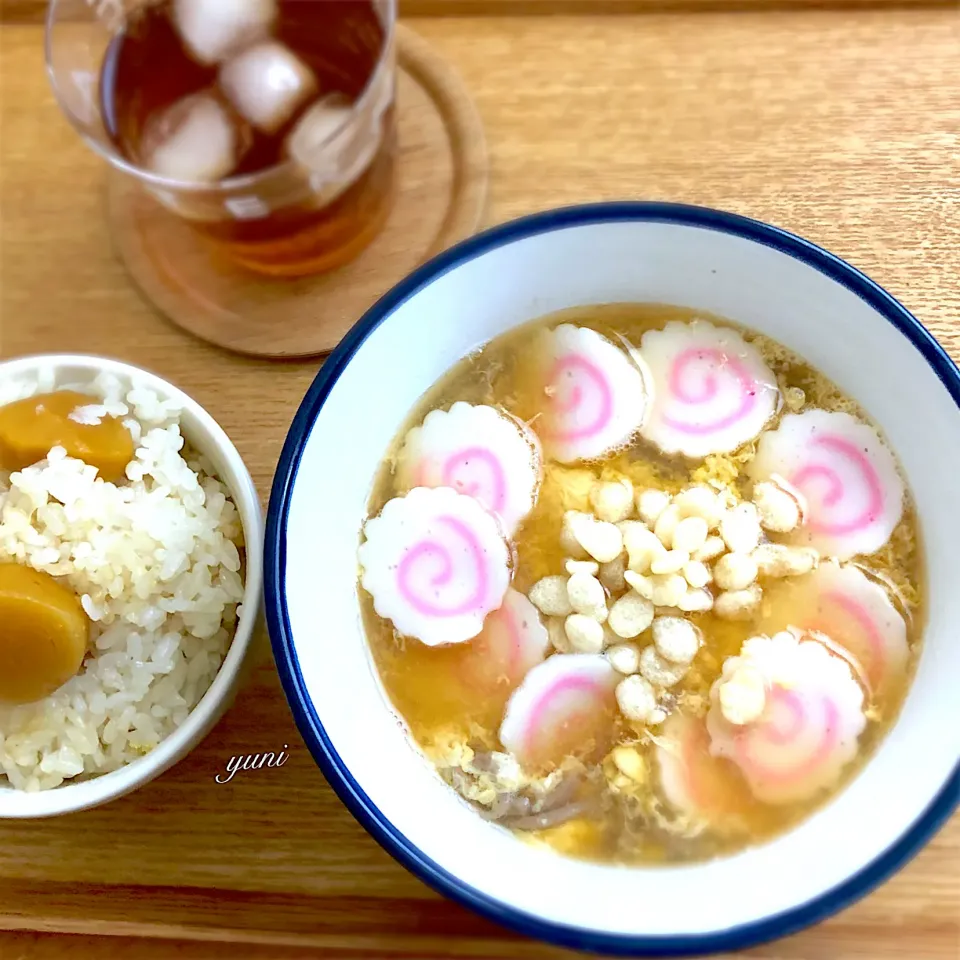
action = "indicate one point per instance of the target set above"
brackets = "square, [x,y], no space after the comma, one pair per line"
[829,313]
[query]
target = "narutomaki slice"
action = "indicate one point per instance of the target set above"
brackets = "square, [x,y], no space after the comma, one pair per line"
[565,706]
[712,390]
[513,641]
[807,726]
[847,475]
[595,395]
[435,563]
[695,782]
[479,451]
[855,612]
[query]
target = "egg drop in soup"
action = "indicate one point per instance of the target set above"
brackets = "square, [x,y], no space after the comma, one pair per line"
[643,585]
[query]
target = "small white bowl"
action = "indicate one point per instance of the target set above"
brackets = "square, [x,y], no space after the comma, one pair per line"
[207,437]
[772,281]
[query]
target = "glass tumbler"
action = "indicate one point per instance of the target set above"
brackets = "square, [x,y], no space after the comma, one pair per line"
[273,137]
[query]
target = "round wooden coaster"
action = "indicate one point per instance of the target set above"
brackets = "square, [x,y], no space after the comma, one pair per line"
[441,196]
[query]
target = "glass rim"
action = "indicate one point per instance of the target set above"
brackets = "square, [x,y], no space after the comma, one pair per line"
[108,152]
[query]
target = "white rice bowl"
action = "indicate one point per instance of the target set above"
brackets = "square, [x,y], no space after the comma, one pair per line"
[156,564]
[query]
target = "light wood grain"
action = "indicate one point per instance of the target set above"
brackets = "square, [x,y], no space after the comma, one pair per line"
[34,11]
[843,127]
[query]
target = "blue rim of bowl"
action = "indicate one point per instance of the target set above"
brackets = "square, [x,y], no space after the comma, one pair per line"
[312,730]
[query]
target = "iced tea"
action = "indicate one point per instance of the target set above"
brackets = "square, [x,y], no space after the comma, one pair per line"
[278,114]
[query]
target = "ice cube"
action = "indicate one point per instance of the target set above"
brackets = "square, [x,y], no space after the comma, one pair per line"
[194,140]
[332,146]
[313,138]
[267,84]
[214,29]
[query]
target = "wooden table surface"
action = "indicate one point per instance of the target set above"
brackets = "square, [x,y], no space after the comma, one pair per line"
[843,126]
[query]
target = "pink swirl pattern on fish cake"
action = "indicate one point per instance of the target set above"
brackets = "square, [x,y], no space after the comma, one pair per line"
[564,704]
[578,368]
[459,472]
[710,391]
[436,564]
[513,641]
[795,737]
[807,477]
[855,611]
[847,475]
[478,450]
[810,724]
[443,578]
[573,702]
[694,781]
[872,654]
[591,395]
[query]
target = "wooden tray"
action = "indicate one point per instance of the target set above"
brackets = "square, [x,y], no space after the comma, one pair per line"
[841,126]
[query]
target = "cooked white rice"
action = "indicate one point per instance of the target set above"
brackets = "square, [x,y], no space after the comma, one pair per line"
[156,564]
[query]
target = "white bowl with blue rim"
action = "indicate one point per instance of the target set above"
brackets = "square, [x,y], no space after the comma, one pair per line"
[772,281]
